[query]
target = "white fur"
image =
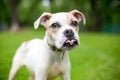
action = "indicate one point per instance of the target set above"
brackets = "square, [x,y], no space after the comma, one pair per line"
[43,62]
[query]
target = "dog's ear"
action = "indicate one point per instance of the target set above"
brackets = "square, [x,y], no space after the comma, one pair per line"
[43,19]
[79,16]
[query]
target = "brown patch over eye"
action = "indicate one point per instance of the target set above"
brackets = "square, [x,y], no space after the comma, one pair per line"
[55,25]
[53,28]
[74,23]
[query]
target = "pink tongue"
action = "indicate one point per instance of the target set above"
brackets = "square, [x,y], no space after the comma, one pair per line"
[70,42]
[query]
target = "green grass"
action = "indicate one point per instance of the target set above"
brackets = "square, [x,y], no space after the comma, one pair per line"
[97,58]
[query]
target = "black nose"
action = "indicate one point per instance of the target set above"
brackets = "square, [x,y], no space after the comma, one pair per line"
[69,33]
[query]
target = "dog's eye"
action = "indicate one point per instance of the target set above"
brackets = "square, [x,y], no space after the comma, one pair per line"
[55,25]
[74,23]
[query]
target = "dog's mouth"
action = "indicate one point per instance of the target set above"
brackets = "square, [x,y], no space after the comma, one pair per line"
[70,43]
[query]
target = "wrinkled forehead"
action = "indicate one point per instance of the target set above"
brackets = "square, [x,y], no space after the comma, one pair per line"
[61,18]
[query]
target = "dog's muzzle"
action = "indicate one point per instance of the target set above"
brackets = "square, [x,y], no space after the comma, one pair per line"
[71,41]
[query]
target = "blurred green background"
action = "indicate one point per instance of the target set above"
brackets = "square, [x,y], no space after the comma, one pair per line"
[101,15]
[98,56]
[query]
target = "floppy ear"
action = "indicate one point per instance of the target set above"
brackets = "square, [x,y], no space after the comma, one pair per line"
[79,16]
[43,19]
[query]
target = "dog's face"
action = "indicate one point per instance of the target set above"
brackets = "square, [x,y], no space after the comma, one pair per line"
[61,28]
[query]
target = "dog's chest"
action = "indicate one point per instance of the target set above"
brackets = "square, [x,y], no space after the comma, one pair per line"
[55,70]
[56,67]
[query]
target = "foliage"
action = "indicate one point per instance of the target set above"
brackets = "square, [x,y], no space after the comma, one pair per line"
[98,13]
[5,14]
[97,58]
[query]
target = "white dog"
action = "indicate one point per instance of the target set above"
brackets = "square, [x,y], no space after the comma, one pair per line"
[48,58]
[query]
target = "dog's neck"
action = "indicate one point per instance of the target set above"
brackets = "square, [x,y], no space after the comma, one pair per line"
[54,49]
[51,43]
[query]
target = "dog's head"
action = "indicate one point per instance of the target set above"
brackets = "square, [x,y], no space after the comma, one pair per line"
[61,28]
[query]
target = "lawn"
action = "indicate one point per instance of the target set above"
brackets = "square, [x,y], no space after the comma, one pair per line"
[97,58]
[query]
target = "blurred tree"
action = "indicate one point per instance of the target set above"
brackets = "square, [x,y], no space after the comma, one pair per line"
[24,12]
[103,12]
[95,15]
[4,14]
[30,10]
[15,20]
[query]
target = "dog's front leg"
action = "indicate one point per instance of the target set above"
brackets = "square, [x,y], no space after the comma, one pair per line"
[40,75]
[66,76]
[67,67]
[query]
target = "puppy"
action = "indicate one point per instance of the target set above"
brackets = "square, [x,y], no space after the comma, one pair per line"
[48,58]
